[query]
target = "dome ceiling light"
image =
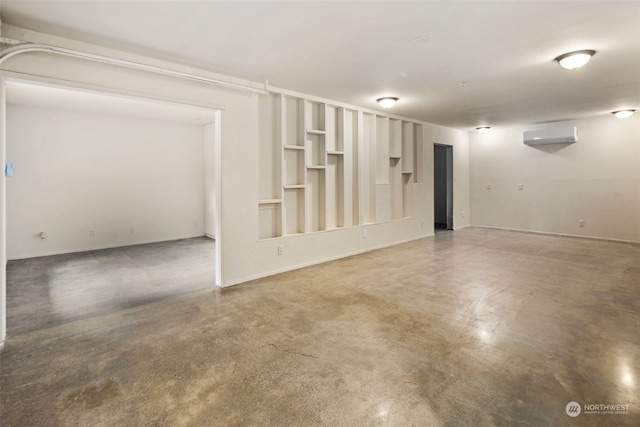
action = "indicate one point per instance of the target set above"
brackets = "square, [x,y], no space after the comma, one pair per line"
[387,101]
[623,114]
[483,129]
[574,60]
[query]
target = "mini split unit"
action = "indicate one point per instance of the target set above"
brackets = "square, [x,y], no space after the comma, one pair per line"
[556,135]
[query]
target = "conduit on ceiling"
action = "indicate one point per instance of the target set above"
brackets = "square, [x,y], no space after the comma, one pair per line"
[24,47]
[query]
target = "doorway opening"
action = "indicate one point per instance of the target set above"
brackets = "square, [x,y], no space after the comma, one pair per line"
[105,177]
[443,187]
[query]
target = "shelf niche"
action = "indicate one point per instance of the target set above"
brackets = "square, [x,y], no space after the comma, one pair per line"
[382,150]
[335,191]
[418,149]
[268,149]
[367,169]
[348,130]
[269,167]
[270,220]
[314,113]
[292,111]
[395,139]
[293,211]
[315,150]
[293,161]
[407,147]
[315,196]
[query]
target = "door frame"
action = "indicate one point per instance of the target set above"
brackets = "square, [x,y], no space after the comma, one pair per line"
[218,134]
[448,183]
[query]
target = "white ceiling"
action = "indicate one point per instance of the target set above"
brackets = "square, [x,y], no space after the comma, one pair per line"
[46,96]
[358,51]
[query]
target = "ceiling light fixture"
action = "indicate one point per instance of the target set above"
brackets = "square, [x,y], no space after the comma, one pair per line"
[387,101]
[623,114]
[483,129]
[573,60]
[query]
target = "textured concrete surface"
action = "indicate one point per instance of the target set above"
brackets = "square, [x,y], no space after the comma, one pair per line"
[469,328]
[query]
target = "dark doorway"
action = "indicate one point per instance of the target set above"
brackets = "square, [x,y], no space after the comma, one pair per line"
[443,187]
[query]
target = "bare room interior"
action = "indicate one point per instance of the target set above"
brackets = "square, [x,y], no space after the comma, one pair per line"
[223,213]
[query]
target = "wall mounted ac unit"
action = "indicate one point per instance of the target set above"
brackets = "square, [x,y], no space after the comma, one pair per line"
[556,135]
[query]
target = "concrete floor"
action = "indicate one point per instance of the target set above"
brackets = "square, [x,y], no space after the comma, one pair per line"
[468,328]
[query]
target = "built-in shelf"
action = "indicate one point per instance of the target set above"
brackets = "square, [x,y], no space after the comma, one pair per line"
[326,167]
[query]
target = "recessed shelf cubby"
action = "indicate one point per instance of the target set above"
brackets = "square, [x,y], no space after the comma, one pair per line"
[315,149]
[315,195]
[395,139]
[269,225]
[407,147]
[314,113]
[293,210]
[293,167]
[293,128]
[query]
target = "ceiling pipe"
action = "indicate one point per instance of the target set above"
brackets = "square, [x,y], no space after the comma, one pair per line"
[20,48]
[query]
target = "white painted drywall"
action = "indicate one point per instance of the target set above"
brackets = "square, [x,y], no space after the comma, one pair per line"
[209,180]
[131,180]
[596,179]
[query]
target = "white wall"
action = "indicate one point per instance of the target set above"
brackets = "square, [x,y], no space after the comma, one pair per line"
[596,179]
[77,171]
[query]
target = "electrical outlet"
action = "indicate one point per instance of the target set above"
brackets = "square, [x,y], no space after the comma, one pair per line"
[462,214]
[581,223]
[131,229]
[520,186]
[422,224]
[488,186]
[280,250]
[92,233]
[365,234]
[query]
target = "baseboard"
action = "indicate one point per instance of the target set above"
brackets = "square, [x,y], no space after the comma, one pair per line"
[549,233]
[99,248]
